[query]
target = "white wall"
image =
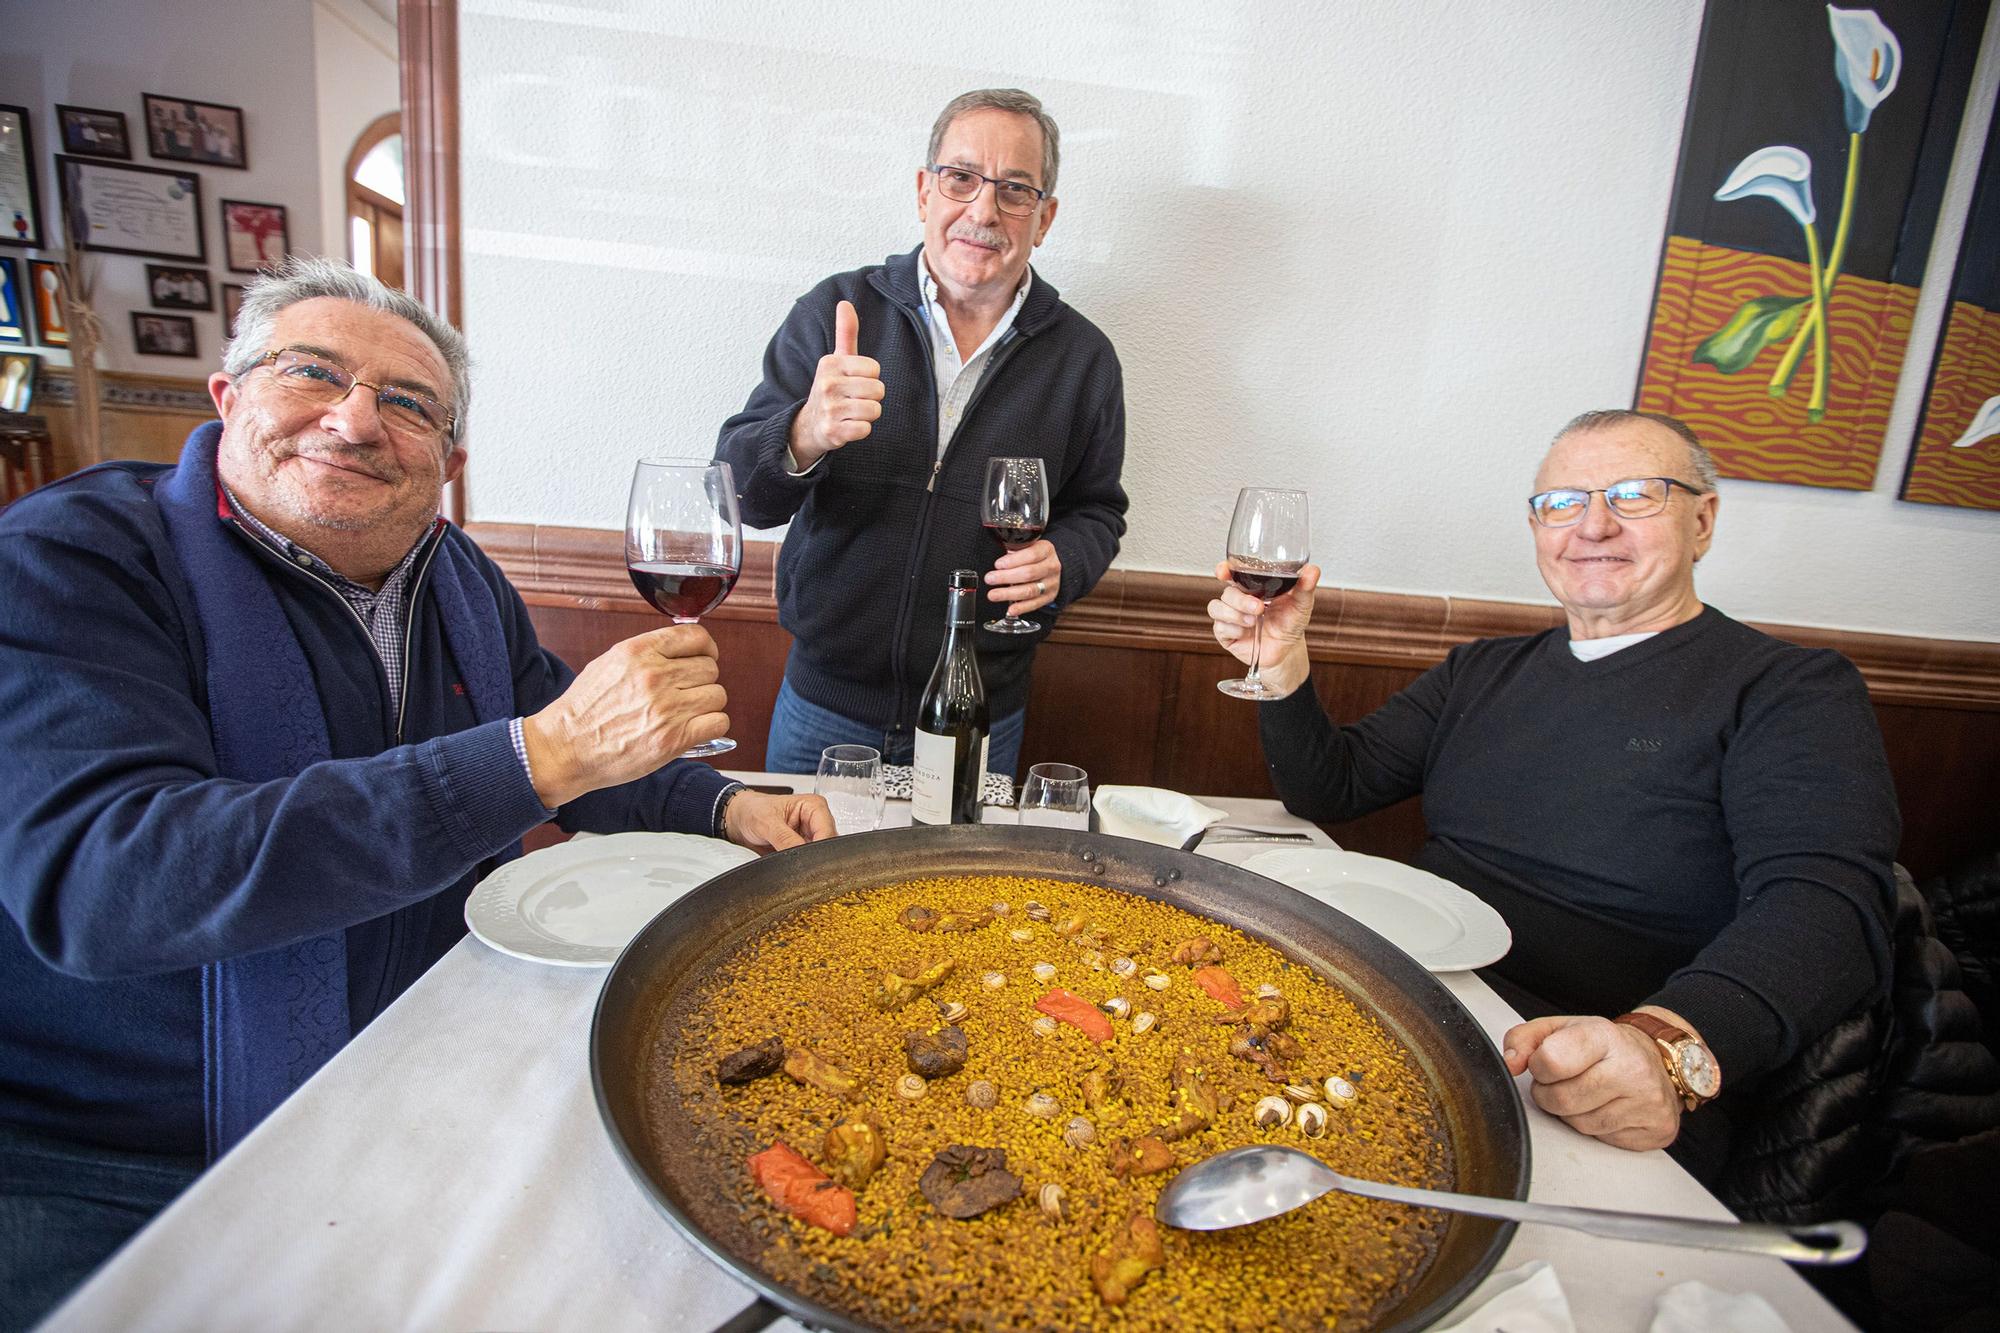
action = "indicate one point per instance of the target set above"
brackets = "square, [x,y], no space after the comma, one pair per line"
[1380,250]
[354,59]
[255,54]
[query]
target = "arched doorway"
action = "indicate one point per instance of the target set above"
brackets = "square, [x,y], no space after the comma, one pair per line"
[375,199]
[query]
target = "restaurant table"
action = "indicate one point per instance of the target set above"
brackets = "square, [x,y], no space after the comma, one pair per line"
[447,1170]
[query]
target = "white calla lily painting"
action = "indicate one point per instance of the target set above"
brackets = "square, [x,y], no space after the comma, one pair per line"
[1804,209]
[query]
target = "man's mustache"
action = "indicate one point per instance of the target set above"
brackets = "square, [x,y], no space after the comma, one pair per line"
[978,235]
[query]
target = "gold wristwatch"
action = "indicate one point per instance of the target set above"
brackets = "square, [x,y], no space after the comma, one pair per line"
[1690,1067]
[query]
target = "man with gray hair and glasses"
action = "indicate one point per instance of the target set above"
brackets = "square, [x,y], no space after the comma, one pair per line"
[265,718]
[884,395]
[1688,825]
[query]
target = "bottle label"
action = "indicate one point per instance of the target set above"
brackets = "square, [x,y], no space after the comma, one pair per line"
[931,768]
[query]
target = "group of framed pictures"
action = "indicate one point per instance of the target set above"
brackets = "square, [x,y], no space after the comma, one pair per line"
[112,204]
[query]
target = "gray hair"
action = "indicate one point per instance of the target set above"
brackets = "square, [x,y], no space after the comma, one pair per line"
[1700,462]
[1003,99]
[309,277]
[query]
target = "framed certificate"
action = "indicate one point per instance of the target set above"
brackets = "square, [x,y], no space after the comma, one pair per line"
[129,210]
[20,204]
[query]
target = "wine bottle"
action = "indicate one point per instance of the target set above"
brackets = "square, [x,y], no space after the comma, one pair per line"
[950,759]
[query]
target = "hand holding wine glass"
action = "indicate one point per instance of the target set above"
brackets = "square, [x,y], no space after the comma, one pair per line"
[1015,509]
[1269,540]
[684,544]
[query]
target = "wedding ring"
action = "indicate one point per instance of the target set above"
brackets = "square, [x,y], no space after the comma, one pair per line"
[1041,588]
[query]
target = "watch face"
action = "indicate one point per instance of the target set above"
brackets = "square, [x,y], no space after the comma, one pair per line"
[1698,1071]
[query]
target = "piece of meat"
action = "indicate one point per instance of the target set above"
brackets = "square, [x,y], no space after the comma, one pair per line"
[1220,986]
[752,1062]
[854,1151]
[801,1189]
[1195,952]
[1270,1013]
[1140,1157]
[935,1054]
[822,1073]
[1100,1086]
[920,919]
[1135,1251]
[1192,1097]
[1252,1044]
[958,923]
[1076,1011]
[900,987]
[964,1181]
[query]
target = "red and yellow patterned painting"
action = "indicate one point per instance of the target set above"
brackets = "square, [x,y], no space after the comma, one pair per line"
[1956,458]
[1812,167]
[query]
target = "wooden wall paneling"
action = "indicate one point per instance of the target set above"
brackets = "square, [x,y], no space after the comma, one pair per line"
[1126,686]
[427,41]
[1097,708]
[1946,764]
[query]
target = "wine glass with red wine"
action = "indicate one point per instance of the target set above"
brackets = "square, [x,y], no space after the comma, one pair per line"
[1015,511]
[684,544]
[1269,535]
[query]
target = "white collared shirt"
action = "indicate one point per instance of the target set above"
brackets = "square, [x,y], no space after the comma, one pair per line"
[958,377]
[1591,650]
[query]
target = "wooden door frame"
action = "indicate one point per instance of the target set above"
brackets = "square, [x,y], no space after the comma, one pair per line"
[427,40]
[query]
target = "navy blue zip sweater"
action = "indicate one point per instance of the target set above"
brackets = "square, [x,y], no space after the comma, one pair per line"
[126,862]
[878,525]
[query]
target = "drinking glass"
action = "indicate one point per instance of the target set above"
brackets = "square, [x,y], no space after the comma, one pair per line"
[1269,536]
[1056,796]
[1015,510]
[684,544]
[850,778]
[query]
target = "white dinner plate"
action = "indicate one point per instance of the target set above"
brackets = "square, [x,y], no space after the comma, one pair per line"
[578,903]
[1431,919]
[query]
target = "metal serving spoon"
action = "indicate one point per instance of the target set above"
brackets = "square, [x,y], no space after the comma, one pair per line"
[1245,1185]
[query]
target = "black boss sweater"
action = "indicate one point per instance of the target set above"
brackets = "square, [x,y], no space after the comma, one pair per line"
[1704,820]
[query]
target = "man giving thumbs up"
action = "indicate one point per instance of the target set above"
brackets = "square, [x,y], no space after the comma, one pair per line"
[884,395]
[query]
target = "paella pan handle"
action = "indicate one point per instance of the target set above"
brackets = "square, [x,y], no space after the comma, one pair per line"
[759,1313]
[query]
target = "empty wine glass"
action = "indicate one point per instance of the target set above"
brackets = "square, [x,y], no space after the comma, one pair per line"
[1269,537]
[684,544]
[1056,796]
[1015,510]
[850,778]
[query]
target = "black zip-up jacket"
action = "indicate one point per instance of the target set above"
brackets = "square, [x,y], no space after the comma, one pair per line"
[878,525]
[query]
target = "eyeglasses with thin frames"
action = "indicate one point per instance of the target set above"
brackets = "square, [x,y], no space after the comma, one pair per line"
[313,378]
[962,185]
[1635,497]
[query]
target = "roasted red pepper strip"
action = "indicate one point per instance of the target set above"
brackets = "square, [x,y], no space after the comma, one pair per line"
[1076,1011]
[802,1189]
[1219,985]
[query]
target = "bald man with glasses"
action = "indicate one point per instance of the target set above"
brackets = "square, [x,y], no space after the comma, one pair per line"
[1688,825]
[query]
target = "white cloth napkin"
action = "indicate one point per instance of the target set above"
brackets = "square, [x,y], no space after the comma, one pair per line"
[1696,1307]
[1528,1299]
[1152,814]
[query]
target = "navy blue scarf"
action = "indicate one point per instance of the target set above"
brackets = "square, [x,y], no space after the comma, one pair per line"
[269,1020]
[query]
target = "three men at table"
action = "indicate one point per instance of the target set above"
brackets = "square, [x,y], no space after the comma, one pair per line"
[884,394]
[265,717]
[1676,814]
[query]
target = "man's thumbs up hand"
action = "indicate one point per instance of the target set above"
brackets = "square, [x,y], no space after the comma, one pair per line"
[846,396]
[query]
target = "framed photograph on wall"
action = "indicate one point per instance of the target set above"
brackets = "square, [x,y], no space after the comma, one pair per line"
[17,380]
[254,236]
[232,304]
[13,304]
[179,130]
[20,202]
[46,284]
[163,335]
[132,210]
[178,288]
[88,132]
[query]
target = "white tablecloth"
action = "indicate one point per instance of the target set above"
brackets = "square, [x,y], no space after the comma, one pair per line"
[448,1171]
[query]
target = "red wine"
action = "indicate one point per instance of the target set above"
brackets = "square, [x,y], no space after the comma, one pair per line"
[683,591]
[1269,584]
[1015,536]
[952,720]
